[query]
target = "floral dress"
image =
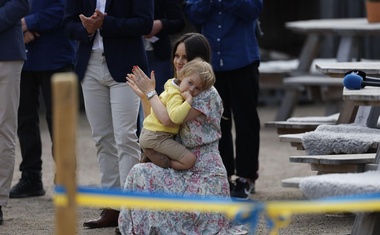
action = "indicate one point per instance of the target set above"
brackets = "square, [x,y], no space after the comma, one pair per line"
[207,178]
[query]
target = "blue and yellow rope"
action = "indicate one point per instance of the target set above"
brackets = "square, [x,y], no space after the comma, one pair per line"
[278,212]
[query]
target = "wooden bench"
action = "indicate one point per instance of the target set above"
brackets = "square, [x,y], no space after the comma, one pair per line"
[273,72]
[294,182]
[328,185]
[291,66]
[319,88]
[334,163]
[365,223]
[301,124]
[286,127]
[271,78]
[294,127]
[295,140]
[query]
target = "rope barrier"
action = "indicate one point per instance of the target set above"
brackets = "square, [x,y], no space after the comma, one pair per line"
[278,213]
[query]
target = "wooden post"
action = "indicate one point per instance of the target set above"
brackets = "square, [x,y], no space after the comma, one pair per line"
[65,111]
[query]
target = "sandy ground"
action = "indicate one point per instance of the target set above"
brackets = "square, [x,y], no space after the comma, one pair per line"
[36,215]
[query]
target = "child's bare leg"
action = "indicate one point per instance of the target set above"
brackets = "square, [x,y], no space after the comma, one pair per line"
[157,158]
[144,158]
[187,162]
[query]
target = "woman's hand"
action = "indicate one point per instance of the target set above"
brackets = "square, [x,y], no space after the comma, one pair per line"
[141,81]
[130,81]
[141,84]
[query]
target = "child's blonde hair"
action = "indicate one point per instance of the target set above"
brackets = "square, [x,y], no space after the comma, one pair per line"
[200,67]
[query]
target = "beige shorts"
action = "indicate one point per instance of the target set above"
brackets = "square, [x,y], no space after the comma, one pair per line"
[162,142]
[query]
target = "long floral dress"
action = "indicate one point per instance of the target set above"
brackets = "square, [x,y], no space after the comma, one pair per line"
[207,178]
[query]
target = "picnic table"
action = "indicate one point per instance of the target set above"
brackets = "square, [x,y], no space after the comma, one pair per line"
[339,69]
[349,30]
[368,99]
[360,106]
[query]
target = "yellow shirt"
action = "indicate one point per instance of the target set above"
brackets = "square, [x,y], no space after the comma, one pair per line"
[175,105]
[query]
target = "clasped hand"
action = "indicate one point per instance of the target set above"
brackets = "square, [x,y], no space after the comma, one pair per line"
[30,36]
[93,22]
[140,83]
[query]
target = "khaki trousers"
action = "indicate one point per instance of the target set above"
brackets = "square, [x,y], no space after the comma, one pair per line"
[111,109]
[10,74]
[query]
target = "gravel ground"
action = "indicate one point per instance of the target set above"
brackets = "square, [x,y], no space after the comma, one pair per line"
[36,215]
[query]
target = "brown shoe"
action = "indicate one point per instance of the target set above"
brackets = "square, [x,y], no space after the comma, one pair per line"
[157,158]
[108,218]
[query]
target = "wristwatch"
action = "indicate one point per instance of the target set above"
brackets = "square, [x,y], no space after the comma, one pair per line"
[150,94]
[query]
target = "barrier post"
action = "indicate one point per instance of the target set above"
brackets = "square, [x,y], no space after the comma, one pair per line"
[65,111]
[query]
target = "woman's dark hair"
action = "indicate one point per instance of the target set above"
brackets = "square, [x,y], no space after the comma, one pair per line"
[196,46]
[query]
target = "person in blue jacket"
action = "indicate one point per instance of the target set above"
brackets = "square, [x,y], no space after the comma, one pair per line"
[110,35]
[168,20]
[48,52]
[12,57]
[229,26]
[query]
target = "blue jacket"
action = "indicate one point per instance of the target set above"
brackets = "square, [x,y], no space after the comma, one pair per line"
[52,50]
[11,38]
[229,26]
[122,30]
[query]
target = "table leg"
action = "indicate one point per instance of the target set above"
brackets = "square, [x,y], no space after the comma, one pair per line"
[367,116]
[366,224]
[309,52]
[288,103]
[348,112]
[348,49]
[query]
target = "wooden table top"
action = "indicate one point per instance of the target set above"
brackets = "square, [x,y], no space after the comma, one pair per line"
[367,95]
[338,69]
[335,159]
[349,26]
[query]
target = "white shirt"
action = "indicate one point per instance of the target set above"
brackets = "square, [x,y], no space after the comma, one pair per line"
[98,41]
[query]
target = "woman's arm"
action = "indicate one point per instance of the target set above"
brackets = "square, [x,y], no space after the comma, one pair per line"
[193,113]
[142,84]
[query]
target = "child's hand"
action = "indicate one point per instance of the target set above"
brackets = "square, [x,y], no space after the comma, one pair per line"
[187,96]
